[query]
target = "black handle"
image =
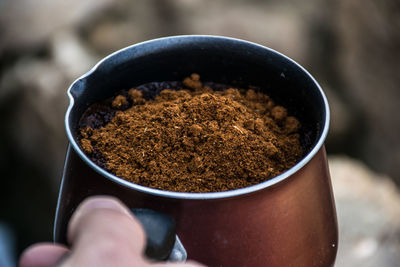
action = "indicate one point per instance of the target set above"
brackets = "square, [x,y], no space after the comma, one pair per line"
[160,233]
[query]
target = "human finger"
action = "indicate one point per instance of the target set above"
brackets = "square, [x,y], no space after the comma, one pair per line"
[104,233]
[42,255]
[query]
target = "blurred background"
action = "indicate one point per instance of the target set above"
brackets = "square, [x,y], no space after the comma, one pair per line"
[352,47]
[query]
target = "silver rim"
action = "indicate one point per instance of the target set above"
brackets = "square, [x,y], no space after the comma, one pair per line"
[214,195]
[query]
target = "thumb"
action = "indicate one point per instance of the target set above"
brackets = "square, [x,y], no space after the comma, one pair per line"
[103,232]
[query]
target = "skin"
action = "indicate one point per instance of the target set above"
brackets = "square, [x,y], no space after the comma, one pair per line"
[102,232]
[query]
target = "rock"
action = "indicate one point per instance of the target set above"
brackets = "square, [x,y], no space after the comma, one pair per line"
[341,117]
[71,55]
[368,209]
[130,22]
[367,57]
[262,23]
[134,21]
[27,23]
[37,89]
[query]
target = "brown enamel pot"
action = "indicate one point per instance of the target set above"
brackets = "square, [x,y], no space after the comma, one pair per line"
[289,220]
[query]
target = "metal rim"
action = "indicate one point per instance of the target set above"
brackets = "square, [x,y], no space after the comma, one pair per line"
[213,195]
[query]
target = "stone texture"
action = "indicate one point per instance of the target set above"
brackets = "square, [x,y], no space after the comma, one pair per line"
[71,54]
[368,59]
[27,23]
[261,23]
[368,209]
[37,87]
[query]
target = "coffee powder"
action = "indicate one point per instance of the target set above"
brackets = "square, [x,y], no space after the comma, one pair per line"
[193,139]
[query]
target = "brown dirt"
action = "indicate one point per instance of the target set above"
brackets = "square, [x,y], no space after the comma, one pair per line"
[195,139]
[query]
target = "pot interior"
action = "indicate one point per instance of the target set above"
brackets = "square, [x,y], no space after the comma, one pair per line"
[216,59]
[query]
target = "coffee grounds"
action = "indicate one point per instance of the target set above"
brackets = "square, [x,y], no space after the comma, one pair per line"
[193,139]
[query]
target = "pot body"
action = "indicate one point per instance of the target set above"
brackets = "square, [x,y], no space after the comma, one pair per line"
[289,224]
[289,220]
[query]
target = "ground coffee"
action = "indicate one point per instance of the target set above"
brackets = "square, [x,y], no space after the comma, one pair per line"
[193,139]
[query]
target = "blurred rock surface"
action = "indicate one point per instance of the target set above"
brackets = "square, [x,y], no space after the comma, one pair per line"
[38,86]
[368,59]
[368,210]
[28,23]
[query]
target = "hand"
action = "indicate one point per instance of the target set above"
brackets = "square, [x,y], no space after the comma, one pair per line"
[102,232]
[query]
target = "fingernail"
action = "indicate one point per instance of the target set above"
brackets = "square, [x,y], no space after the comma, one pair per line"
[102,202]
